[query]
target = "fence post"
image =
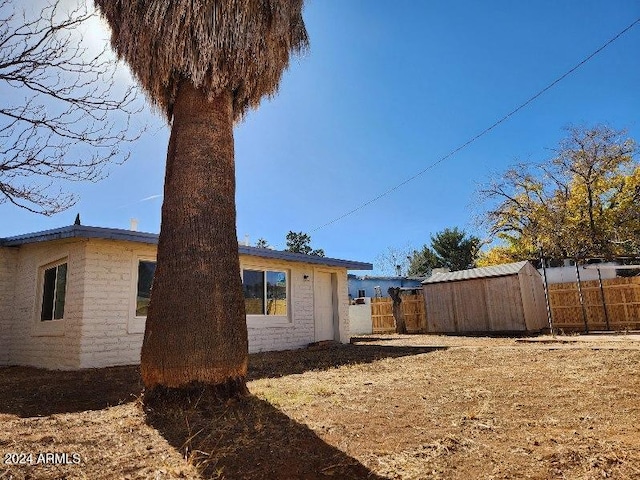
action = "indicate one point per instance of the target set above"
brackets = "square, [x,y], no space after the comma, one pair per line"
[546,291]
[604,303]
[584,310]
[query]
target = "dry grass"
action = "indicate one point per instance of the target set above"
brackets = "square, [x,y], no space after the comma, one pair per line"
[397,407]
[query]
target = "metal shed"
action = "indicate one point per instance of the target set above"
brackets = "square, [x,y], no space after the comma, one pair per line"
[501,298]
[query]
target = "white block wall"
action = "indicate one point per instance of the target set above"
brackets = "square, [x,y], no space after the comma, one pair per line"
[110,277]
[568,274]
[264,336]
[8,259]
[343,305]
[53,344]
[99,328]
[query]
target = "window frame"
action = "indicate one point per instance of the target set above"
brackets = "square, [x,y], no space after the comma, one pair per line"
[136,322]
[263,320]
[54,302]
[141,260]
[54,326]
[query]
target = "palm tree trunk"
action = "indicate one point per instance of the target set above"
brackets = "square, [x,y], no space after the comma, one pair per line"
[196,332]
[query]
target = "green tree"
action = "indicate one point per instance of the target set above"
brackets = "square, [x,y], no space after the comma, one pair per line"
[262,243]
[423,261]
[203,64]
[451,248]
[581,203]
[300,242]
[454,249]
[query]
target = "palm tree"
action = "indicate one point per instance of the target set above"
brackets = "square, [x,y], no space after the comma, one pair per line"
[203,63]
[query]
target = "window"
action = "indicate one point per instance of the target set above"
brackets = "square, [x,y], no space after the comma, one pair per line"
[54,287]
[146,270]
[265,292]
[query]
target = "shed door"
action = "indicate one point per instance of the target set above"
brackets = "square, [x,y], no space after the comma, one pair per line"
[324,310]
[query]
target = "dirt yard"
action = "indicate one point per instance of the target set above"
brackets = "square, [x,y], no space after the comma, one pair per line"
[384,407]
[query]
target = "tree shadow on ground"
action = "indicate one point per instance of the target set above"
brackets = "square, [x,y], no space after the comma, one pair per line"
[370,339]
[35,392]
[250,439]
[290,362]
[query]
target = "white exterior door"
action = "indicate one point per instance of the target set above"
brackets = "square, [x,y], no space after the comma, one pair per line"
[324,310]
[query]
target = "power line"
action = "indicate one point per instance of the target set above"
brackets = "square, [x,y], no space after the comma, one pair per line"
[483,132]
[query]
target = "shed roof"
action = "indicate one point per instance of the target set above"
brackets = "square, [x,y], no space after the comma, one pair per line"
[482,272]
[83,231]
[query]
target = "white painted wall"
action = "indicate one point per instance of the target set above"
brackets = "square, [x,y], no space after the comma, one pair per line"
[8,261]
[54,344]
[110,281]
[100,328]
[300,331]
[360,320]
[568,274]
[343,304]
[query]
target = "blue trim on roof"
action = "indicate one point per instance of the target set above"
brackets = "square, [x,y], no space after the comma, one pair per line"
[82,231]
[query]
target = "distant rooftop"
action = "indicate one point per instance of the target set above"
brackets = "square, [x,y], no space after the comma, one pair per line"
[82,231]
[387,277]
[482,272]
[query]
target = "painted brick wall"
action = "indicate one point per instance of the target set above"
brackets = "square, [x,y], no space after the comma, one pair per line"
[343,305]
[99,327]
[264,334]
[109,286]
[301,331]
[8,260]
[109,294]
[54,344]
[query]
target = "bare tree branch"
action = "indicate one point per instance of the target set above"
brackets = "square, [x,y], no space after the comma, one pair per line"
[61,117]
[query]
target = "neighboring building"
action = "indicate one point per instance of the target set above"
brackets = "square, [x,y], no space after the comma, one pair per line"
[365,286]
[567,272]
[76,297]
[502,298]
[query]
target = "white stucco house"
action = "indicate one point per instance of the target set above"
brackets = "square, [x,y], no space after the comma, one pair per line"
[76,297]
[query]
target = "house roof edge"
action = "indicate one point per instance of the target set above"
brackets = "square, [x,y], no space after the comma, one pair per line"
[85,231]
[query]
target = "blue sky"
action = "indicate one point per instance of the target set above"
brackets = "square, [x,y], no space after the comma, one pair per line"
[388,88]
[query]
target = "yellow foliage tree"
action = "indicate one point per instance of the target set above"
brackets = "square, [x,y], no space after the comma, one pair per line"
[497,256]
[581,203]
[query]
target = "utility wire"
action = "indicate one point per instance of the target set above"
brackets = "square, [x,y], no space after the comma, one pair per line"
[483,132]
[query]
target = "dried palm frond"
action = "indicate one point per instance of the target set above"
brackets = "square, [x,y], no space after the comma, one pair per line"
[243,45]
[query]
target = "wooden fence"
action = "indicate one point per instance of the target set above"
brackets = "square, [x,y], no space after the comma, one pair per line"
[615,307]
[414,314]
